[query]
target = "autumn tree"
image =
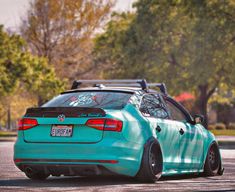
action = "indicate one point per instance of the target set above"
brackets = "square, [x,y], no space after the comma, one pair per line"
[61,31]
[189,45]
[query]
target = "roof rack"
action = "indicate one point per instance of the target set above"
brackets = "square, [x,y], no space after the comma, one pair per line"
[121,83]
[161,86]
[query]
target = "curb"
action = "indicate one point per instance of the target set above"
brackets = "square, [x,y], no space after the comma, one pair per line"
[226,144]
[7,139]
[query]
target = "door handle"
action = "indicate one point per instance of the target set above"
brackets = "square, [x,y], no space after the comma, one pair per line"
[158,128]
[181,131]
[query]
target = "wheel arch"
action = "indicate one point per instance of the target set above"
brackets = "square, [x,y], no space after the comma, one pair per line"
[214,142]
[146,172]
[152,140]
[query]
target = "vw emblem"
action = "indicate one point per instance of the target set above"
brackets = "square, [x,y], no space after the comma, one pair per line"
[61,117]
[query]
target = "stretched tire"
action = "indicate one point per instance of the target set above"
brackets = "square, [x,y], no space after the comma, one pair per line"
[213,161]
[151,164]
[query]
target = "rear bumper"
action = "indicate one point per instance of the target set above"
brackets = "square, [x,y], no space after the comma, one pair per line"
[66,169]
[117,156]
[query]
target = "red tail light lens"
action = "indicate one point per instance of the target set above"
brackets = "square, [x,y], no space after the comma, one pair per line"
[113,125]
[96,123]
[105,124]
[27,123]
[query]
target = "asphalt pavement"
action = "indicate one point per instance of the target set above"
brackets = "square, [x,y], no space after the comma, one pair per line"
[11,179]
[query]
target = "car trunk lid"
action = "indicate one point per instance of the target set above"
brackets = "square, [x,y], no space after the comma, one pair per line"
[63,124]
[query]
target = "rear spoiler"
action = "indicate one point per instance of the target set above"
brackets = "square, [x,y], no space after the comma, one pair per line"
[66,111]
[142,83]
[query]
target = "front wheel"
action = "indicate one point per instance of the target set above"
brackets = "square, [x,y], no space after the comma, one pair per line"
[213,161]
[151,164]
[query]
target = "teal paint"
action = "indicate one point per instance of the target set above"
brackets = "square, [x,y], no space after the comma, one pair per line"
[181,153]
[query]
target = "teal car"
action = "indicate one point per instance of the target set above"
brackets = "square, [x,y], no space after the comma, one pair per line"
[114,127]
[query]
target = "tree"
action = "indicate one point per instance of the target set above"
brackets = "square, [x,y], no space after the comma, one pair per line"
[142,45]
[20,70]
[12,62]
[41,80]
[210,48]
[61,31]
[187,44]
[108,49]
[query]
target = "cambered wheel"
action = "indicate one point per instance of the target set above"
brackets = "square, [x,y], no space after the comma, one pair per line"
[151,165]
[213,161]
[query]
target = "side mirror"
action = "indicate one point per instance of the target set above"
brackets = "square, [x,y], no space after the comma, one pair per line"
[198,118]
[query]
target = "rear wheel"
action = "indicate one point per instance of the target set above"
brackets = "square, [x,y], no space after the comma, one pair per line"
[151,165]
[213,161]
[36,175]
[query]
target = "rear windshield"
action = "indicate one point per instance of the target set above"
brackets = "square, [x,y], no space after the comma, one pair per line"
[96,99]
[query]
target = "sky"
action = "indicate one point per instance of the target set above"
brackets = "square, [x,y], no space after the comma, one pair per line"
[11,11]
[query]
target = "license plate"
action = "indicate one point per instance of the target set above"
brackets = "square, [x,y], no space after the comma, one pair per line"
[61,130]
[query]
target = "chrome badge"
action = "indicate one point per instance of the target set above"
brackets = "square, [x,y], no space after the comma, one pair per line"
[61,117]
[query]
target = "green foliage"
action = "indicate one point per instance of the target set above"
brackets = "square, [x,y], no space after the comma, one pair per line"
[41,79]
[180,42]
[12,62]
[109,46]
[20,68]
[186,44]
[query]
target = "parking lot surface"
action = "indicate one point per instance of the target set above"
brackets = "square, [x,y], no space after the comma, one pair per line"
[11,179]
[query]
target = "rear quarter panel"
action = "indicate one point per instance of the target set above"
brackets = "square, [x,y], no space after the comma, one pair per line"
[209,139]
[136,129]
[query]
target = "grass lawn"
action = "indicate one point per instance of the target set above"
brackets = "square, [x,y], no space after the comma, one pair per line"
[224,132]
[7,134]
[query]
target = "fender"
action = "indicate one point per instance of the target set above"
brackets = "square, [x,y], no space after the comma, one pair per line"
[145,171]
[152,140]
[221,168]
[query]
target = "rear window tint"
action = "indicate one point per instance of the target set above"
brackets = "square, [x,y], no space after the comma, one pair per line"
[96,99]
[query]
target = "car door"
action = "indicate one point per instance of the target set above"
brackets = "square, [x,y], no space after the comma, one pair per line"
[190,136]
[153,108]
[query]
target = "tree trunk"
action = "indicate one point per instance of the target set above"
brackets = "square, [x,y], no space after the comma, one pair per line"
[9,117]
[40,101]
[202,102]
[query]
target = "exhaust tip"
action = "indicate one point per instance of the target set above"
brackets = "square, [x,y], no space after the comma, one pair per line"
[29,170]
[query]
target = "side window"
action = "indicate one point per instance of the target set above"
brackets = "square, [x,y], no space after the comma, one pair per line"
[175,113]
[152,106]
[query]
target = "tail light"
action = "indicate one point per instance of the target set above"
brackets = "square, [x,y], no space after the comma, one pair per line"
[27,123]
[113,125]
[105,124]
[96,123]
